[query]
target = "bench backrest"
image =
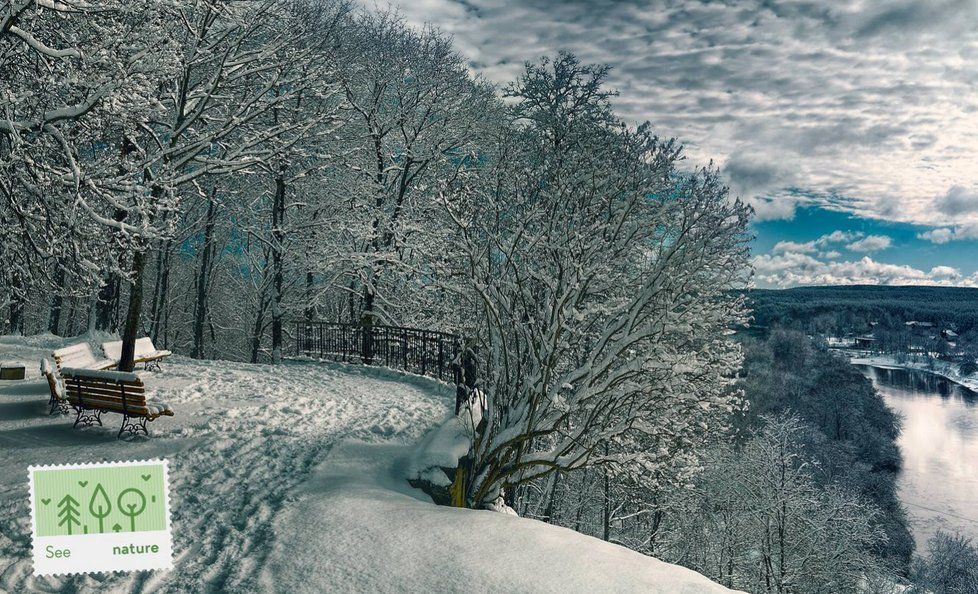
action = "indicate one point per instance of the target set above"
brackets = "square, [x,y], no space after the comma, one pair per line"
[77,356]
[107,390]
[144,346]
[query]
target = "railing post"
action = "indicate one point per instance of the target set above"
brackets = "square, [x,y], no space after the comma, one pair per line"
[367,347]
[467,383]
[424,353]
[441,356]
[404,332]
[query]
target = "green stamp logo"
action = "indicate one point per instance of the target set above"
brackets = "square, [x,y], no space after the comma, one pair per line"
[100,517]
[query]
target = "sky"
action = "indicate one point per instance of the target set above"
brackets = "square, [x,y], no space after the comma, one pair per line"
[851,126]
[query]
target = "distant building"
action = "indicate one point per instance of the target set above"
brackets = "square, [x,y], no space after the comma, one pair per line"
[917,324]
[949,335]
[840,343]
[865,342]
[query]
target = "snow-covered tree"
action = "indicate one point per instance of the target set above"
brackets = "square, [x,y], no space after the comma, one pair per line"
[416,111]
[69,68]
[599,282]
[756,520]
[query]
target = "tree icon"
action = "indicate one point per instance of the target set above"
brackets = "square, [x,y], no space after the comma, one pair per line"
[68,512]
[100,506]
[134,504]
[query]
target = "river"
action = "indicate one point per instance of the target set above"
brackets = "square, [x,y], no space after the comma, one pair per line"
[939,442]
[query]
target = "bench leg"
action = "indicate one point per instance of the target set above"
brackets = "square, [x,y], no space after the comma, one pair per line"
[58,406]
[87,417]
[131,427]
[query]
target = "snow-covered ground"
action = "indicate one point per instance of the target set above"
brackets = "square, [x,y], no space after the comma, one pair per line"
[358,527]
[291,479]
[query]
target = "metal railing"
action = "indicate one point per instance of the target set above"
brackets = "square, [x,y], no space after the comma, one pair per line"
[424,352]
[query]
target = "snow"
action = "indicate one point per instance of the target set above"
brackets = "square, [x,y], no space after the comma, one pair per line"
[944,369]
[357,528]
[292,478]
[114,376]
[242,438]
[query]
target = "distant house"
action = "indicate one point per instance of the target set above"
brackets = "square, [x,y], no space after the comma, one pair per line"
[865,342]
[840,343]
[916,324]
[949,335]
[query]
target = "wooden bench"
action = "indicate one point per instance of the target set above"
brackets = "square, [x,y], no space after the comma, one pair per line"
[80,356]
[92,392]
[144,353]
[59,400]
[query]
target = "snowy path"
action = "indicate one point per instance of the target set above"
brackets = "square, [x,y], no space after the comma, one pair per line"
[243,437]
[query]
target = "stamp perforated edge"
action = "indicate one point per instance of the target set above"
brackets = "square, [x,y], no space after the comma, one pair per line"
[76,466]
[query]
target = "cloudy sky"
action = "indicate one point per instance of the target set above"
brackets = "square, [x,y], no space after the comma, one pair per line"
[850,125]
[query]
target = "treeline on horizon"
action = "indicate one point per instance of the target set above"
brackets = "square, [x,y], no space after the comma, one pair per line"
[851,308]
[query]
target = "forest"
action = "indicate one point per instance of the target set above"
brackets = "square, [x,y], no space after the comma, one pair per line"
[841,309]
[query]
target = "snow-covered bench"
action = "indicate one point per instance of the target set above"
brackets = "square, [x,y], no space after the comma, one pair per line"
[80,356]
[92,392]
[58,401]
[144,353]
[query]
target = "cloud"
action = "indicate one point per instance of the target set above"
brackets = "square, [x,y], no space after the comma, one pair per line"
[795,247]
[839,236]
[916,15]
[871,243]
[770,209]
[943,235]
[947,272]
[793,269]
[958,200]
[864,106]
[816,245]
[938,236]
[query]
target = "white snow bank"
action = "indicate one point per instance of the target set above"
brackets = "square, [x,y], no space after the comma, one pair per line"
[442,447]
[941,368]
[357,527]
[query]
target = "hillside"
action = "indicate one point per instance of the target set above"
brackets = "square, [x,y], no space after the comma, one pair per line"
[287,479]
[956,305]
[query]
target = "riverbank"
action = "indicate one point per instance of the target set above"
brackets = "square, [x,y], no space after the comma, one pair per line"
[939,445]
[926,365]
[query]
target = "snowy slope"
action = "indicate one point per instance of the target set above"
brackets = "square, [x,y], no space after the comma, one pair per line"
[357,528]
[291,479]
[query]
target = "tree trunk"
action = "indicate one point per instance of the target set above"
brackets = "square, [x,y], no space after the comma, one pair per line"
[160,293]
[108,296]
[17,305]
[548,512]
[131,330]
[256,330]
[278,275]
[70,318]
[310,312]
[579,512]
[200,307]
[57,303]
[367,322]
[606,533]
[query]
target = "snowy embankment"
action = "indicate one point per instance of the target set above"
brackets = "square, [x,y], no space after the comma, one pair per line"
[359,527]
[291,479]
[937,367]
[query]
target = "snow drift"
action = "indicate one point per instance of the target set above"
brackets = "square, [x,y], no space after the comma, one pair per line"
[357,526]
